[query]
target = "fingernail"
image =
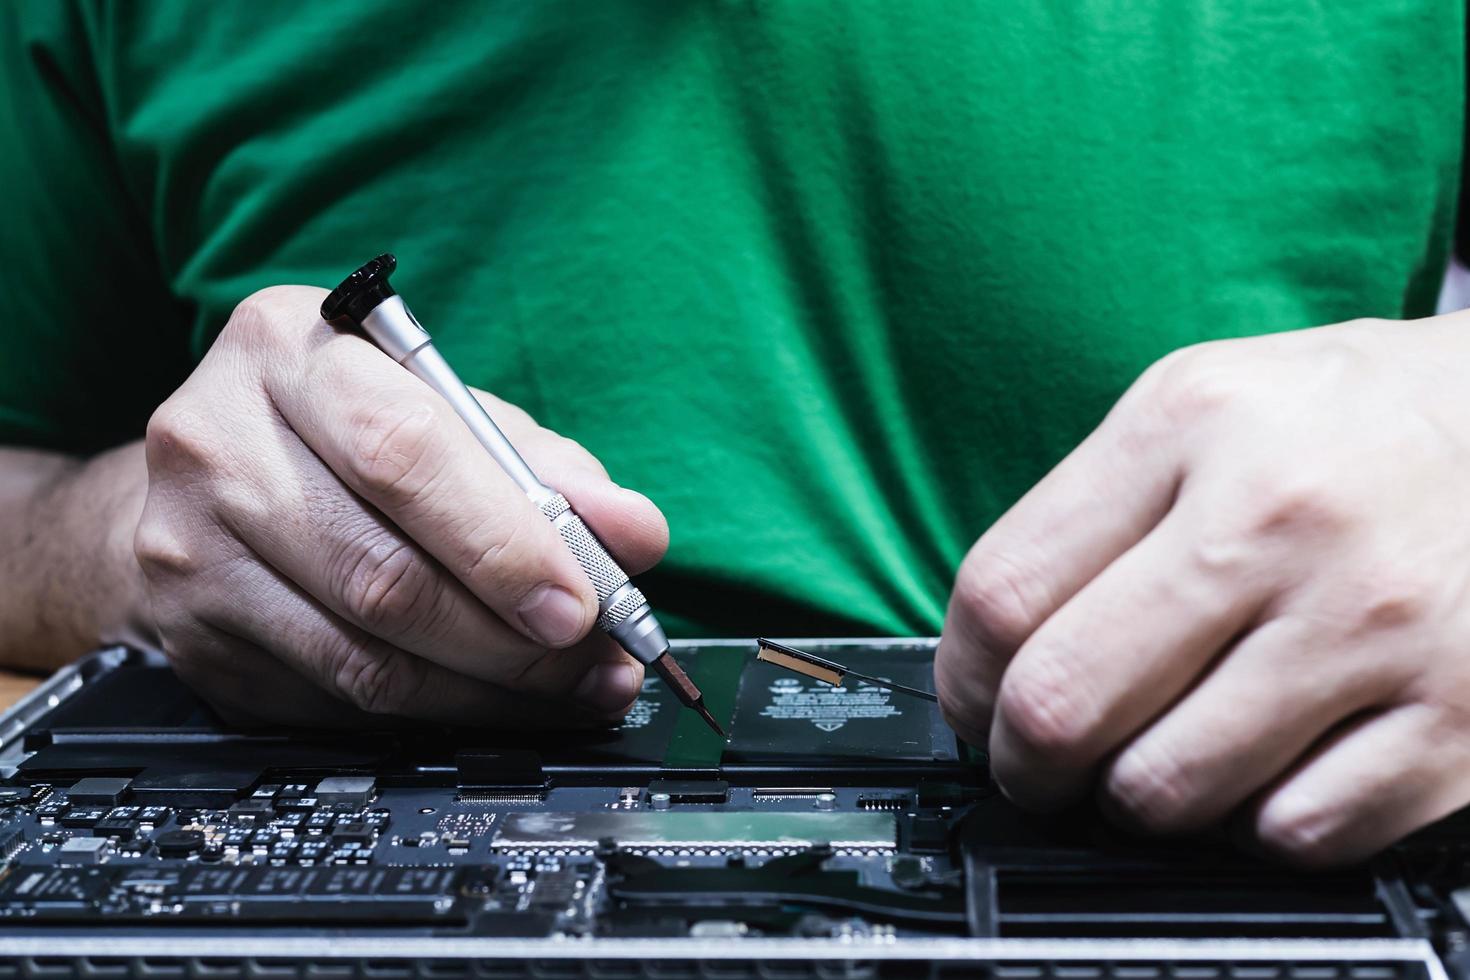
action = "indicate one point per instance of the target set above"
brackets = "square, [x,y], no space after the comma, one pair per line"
[607,687]
[553,615]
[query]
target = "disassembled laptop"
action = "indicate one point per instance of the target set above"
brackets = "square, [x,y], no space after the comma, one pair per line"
[841,831]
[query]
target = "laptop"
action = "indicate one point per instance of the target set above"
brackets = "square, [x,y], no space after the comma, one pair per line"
[839,832]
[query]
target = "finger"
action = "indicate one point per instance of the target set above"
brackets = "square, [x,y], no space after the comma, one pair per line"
[244,684]
[1111,659]
[396,443]
[1098,502]
[377,678]
[628,523]
[299,519]
[1262,706]
[1376,780]
[595,674]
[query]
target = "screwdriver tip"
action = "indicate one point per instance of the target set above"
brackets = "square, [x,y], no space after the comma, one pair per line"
[709,719]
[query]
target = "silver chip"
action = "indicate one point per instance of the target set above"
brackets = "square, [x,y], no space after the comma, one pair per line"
[82,850]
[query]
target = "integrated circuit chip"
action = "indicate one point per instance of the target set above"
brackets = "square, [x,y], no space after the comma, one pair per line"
[107,790]
[51,889]
[354,791]
[82,850]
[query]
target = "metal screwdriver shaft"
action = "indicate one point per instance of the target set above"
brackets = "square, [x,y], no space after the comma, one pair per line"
[367,302]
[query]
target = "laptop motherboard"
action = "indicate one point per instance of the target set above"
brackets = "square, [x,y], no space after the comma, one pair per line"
[839,832]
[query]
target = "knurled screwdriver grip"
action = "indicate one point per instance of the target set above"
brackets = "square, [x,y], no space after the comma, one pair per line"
[617,597]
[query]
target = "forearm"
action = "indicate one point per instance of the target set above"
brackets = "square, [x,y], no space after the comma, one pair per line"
[66,554]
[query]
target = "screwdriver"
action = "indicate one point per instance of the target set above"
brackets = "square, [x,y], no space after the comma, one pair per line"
[367,302]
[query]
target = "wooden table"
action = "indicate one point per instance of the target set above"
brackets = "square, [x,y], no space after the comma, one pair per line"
[14,686]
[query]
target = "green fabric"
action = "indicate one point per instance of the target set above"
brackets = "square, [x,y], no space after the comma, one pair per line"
[833,282]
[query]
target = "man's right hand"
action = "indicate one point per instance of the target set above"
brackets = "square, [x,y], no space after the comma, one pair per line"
[323,536]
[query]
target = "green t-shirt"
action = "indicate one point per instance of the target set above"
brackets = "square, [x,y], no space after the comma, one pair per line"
[832,282]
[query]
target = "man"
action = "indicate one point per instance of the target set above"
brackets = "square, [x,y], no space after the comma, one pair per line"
[834,284]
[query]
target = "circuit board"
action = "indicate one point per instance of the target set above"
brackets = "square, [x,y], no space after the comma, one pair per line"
[839,827]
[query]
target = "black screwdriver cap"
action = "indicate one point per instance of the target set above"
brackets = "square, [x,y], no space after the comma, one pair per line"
[360,293]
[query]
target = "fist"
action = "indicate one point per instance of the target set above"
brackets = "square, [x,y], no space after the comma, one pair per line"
[323,538]
[1244,594]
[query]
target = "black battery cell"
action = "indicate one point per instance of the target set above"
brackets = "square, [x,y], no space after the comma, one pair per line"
[781,717]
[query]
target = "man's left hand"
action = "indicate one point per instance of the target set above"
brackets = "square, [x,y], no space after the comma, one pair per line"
[1247,592]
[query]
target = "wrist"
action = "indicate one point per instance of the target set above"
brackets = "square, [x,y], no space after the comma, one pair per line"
[66,551]
[113,486]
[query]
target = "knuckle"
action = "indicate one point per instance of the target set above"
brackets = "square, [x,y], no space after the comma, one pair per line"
[1188,385]
[1219,549]
[269,318]
[498,553]
[1276,511]
[195,463]
[379,682]
[999,600]
[394,458]
[1390,605]
[1379,597]
[1293,504]
[239,504]
[1038,704]
[158,550]
[387,587]
[181,439]
[260,319]
[1149,790]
